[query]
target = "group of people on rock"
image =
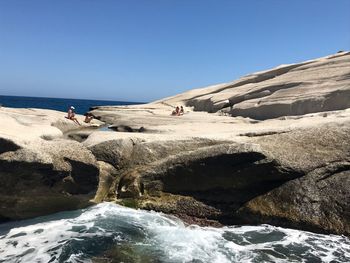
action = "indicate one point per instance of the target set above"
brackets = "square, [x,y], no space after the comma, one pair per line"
[178,111]
[71,116]
[88,116]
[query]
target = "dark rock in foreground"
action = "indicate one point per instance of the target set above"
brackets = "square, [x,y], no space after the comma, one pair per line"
[299,182]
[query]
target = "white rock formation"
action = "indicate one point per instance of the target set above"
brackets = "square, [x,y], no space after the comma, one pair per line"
[313,86]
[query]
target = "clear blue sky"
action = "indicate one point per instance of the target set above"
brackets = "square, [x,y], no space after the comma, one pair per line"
[148,49]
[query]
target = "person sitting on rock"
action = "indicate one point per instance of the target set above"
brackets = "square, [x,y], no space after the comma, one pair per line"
[71,115]
[88,117]
[182,112]
[176,112]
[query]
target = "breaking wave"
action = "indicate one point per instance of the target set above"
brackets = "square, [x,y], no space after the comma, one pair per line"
[112,233]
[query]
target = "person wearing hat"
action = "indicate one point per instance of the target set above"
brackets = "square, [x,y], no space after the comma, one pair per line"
[71,115]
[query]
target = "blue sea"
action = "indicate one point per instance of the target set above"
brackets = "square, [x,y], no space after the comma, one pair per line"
[60,104]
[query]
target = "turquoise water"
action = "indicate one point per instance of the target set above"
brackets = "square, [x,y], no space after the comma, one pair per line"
[111,233]
[59,104]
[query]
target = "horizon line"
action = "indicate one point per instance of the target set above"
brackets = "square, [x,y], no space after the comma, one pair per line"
[138,102]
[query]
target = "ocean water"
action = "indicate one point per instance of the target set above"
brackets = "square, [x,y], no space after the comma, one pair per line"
[81,106]
[112,233]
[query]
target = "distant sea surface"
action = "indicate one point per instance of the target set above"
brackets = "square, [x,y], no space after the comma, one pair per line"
[81,106]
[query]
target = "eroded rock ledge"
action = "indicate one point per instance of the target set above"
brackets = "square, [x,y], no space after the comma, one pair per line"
[41,172]
[278,179]
[274,149]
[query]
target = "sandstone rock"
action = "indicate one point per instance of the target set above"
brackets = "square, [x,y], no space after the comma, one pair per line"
[318,202]
[308,148]
[312,86]
[54,176]
[40,171]
[115,152]
[129,186]
[106,184]
[216,180]
[211,171]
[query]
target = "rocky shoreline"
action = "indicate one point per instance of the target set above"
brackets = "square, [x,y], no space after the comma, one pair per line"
[272,147]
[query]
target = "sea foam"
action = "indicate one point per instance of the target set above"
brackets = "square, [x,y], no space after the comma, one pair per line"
[86,235]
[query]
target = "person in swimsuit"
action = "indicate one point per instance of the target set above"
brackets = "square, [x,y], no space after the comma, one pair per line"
[71,115]
[176,112]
